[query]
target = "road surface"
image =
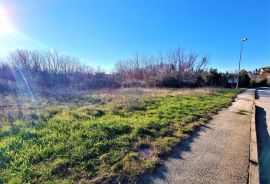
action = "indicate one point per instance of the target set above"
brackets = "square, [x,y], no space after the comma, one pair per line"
[263,132]
[216,153]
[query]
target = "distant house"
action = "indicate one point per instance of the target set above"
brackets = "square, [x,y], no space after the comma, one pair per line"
[265,70]
[252,75]
[264,73]
[232,80]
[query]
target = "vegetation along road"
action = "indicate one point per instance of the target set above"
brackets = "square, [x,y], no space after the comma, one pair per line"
[117,135]
[218,152]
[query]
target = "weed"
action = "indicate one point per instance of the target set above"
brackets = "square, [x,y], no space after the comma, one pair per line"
[242,112]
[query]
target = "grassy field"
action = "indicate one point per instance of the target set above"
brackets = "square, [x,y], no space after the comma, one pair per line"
[98,137]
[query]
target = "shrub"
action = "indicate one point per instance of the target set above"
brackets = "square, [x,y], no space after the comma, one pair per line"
[134,83]
[4,87]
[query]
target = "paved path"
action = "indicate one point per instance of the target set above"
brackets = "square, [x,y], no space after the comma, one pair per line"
[217,152]
[263,132]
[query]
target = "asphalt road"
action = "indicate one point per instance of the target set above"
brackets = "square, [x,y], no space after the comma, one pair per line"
[216,153]
[263,132]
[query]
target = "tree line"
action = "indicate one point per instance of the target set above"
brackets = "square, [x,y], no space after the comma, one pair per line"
[173,69]
[41,70]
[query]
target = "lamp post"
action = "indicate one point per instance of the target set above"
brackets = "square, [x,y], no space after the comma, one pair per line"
[241,48]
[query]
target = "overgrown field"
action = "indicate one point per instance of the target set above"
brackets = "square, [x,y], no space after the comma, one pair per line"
[105,137]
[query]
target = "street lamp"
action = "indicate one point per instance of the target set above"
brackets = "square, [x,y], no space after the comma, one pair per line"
[242,40]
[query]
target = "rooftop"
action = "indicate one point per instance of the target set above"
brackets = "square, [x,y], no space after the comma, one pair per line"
[266,67]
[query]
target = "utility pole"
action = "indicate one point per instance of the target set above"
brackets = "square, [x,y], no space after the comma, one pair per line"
[241,48]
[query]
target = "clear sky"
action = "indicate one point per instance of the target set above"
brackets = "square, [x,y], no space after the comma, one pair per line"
[101,32]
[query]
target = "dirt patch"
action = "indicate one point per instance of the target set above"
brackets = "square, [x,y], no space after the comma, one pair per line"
[145,151]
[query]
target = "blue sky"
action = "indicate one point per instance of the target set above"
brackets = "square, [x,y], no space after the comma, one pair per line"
[101,32]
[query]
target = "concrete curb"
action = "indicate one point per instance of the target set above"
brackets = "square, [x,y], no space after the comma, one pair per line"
[253,150]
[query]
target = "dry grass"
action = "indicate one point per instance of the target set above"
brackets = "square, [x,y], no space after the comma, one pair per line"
[11,105]
[148,92]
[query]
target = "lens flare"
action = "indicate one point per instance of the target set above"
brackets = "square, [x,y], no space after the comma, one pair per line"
[5,24]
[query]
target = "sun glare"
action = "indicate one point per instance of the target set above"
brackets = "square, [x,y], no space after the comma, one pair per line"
[5,25]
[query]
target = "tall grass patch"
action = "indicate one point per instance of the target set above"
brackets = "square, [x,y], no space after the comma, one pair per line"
[101,140]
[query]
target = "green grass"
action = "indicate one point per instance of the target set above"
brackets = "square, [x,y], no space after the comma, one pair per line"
[100,140]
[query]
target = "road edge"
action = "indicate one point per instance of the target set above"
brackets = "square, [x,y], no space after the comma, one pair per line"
[253,149]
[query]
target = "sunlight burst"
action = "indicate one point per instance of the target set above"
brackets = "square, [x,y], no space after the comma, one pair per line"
[5,24]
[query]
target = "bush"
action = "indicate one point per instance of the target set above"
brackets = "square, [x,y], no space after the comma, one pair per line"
[134,83]
[260,83]
[244,79]
[4,88]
